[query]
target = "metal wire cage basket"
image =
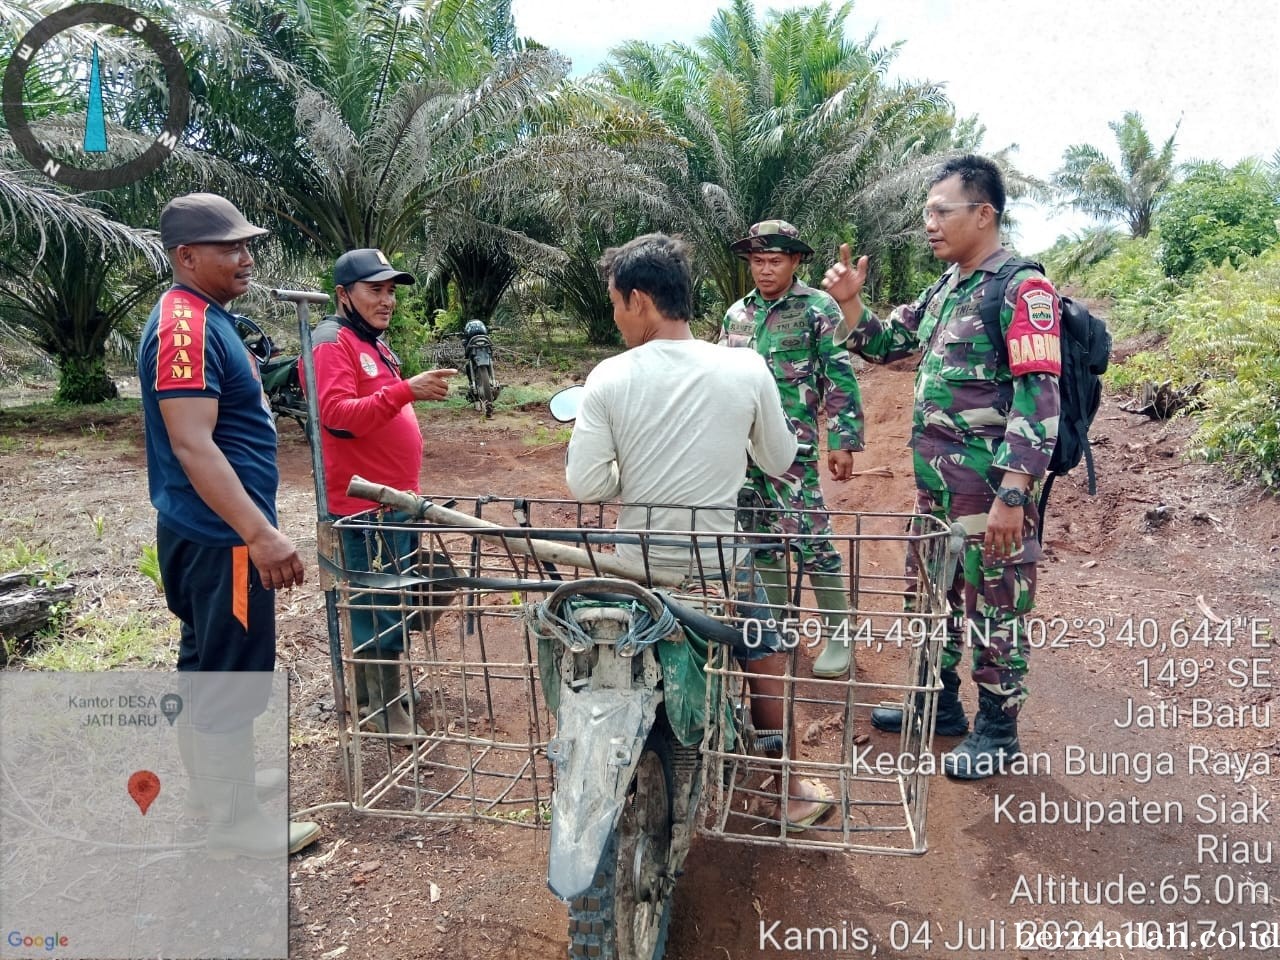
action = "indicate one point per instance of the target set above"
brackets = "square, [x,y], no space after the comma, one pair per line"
[445,623]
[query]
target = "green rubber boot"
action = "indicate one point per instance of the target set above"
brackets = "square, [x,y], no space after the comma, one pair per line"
[837,655]
[237,825]
[267,780]
[775,588]
[384,709]
[302,833]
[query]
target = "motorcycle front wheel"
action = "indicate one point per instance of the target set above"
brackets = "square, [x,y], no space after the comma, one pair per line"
[625,912]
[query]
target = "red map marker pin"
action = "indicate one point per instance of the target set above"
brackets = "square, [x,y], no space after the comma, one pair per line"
[144,787]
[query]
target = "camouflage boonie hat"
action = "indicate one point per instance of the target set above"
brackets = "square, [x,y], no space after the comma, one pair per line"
[772,236]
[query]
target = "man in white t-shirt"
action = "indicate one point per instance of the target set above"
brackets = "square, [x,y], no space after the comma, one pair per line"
[672,421]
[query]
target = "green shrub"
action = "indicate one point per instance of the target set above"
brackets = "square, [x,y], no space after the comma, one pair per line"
[1225,330]
[1133,280]
[1241,428]
[1217,215]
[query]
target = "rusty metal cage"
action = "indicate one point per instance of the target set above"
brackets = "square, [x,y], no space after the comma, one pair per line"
[448,612]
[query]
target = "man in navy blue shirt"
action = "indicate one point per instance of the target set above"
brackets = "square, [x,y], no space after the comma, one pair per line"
[211,468]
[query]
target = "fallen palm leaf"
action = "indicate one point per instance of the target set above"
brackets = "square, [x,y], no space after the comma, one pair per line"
[1207,610]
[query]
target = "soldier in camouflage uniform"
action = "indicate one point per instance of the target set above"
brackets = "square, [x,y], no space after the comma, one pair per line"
[982,435]
[791,325]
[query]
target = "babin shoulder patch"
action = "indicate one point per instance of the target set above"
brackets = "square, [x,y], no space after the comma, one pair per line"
[1035,336]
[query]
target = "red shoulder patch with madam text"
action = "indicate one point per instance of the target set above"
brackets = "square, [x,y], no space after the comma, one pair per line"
[181,334]
[1035,336]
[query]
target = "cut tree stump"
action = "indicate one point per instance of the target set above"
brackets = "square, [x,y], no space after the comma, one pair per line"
[24,608]
[1160,401]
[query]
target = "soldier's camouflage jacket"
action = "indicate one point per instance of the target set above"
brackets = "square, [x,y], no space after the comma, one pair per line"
[795,335]
[975,419]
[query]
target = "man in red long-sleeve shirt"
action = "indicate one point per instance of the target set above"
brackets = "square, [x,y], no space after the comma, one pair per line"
[368,426]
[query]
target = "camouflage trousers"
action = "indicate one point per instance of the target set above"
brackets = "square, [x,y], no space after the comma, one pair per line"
[991,598]
[798,493]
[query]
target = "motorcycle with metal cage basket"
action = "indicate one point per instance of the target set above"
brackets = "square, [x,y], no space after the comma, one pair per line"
[572,675]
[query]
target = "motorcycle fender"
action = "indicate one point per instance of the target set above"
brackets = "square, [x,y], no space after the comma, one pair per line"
[600,736]
[481,358]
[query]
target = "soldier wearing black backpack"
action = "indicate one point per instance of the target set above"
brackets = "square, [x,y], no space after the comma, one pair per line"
[985,425]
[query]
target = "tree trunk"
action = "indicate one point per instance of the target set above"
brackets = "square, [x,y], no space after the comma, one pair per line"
[483,276]
[24,608]
[84,380]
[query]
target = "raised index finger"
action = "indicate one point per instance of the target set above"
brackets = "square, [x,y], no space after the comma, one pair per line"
[846,255]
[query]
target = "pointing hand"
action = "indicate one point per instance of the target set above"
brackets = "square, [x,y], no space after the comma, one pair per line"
[843,280]
[431,384]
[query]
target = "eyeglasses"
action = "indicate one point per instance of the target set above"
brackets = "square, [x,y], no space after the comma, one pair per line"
[941,211]
[255,339]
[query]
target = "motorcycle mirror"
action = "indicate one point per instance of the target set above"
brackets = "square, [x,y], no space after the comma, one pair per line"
[564,405]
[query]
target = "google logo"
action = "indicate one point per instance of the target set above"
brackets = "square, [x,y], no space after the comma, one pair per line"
[49,942]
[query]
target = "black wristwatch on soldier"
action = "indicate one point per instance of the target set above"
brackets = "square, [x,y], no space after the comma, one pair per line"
[1013,496]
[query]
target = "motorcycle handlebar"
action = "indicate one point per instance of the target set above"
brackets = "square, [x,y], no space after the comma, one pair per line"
[614,591]
[299,296]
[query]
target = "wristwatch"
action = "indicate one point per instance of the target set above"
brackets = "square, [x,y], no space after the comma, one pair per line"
[1013,496]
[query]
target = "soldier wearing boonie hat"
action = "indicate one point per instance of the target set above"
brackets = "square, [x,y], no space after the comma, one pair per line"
[221,554]
[772,236]
[791,325]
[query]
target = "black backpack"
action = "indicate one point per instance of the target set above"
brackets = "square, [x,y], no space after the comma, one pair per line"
[1086,351]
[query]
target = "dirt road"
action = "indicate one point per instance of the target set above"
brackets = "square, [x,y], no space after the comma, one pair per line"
[1153,723]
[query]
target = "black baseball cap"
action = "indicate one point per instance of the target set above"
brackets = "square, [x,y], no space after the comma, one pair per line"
[204,218]
[369,265]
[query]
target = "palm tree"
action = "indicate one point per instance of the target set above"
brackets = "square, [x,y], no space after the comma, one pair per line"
[66,294]
[1089,181]
[424,131]
[70,267]
[786,118]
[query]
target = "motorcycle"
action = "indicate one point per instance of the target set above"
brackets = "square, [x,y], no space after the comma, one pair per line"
[477,348]
[279,372]
[282,384]
[628,769]
[639,666]
[472,351]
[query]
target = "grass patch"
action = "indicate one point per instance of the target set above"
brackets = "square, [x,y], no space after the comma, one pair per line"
[527,814]
[306,736]
[544,436]
[45,569]
[91,642]
[514,396]
[48,417]
[86,641]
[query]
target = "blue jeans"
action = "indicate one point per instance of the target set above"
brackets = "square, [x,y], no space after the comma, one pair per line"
[375,633]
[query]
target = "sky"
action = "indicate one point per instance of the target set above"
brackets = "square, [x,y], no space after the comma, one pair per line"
[1042,74]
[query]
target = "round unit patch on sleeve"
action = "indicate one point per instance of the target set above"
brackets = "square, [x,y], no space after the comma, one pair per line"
[1034,338]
